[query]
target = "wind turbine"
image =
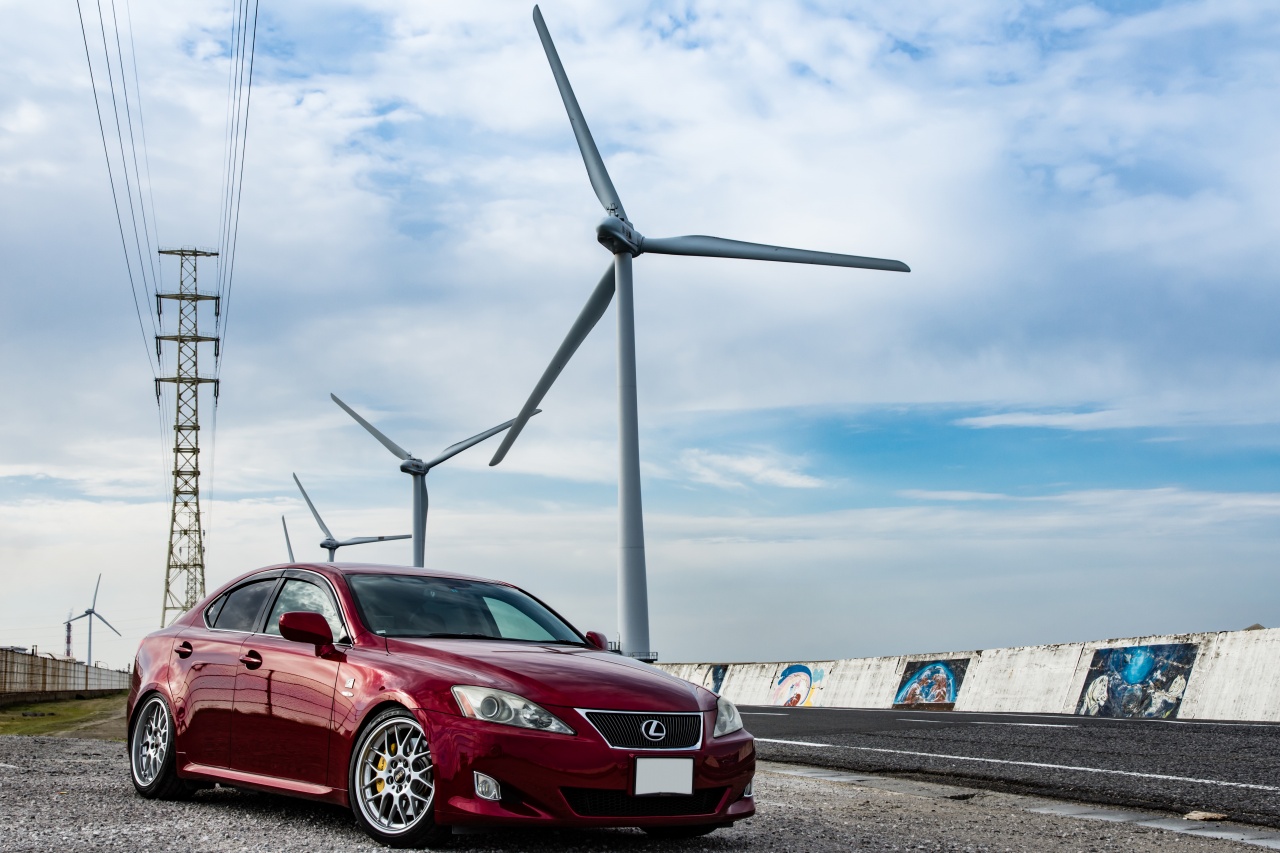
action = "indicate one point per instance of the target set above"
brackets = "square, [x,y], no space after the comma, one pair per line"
[287,543]
[330,544]
[616,233]
[91,614]
[418,469]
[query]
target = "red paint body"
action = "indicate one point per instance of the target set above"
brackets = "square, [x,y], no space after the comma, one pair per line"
[259,711]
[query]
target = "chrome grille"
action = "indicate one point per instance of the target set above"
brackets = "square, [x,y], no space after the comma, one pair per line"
[626,730]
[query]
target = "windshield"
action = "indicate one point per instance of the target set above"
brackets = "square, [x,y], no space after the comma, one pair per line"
[417,606]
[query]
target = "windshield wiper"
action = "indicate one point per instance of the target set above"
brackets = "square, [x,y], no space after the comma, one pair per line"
[472,636]
[442,635]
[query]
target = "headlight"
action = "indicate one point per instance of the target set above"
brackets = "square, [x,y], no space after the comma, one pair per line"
[498,706]
[728,720]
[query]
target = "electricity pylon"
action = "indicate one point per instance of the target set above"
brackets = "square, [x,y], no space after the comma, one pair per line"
[184,572]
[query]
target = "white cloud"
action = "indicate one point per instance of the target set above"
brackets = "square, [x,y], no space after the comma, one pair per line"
[732,471]
[1056,420]
[1088,202]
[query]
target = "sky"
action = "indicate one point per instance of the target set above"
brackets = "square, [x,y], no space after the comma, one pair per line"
[1062,425]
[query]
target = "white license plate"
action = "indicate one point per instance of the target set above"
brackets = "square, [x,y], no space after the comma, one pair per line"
[664,776]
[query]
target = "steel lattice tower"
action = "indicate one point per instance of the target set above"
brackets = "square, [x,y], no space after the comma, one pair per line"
[184,572]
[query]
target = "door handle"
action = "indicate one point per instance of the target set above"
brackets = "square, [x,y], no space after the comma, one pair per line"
[251,660]
[183,649]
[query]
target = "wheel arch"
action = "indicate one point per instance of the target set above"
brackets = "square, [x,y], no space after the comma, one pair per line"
[144,695]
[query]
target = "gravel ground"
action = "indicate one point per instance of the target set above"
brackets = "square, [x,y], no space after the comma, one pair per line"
[67,795]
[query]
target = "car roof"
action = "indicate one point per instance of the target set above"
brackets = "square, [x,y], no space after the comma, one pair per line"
[379,569]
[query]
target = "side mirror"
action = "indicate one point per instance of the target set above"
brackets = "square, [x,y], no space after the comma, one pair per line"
[598,640]
[301,626]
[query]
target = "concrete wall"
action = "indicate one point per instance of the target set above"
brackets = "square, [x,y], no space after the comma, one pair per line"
[1224,676]
[21,672]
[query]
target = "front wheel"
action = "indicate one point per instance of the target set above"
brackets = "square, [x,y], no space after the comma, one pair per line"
[392,782]
[152,762]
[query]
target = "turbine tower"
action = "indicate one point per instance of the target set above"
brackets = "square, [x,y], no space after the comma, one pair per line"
[331,544]
[90,614]
[616,233]
[416,468]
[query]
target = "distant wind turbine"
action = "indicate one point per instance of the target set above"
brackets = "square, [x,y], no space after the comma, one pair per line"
[617,234]
[287,544]
[331,544]
[91,614]
[418,469]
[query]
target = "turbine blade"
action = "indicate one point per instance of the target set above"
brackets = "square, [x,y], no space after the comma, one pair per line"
[305,497]
[81,616]
[587,319]
[454,449]
[361,540]
[108,624]
[386,442]
[95,591]
[287,543]
[590,154]
[717,247]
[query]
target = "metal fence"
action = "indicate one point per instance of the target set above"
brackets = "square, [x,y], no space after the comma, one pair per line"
[23,672]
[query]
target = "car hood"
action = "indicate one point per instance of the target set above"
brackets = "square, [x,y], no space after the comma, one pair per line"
[565,676]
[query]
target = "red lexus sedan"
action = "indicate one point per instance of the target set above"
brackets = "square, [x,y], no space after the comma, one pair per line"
[427,701]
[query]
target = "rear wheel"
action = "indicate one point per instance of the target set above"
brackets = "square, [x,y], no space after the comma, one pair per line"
[392,782]
[152,762]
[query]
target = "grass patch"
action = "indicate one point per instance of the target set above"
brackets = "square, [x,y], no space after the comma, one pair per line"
[71,717]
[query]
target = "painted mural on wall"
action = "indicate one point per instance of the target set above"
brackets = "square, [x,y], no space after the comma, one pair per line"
[1137,681]
[713,678]
[931,685]
[798,685]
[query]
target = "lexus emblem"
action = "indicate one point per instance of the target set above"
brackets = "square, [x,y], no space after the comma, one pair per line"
[653,729]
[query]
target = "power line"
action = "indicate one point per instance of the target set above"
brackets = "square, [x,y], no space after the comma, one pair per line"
[232,65]
[133,147]
[146,156]
[239,190]
[123,161]
[124,245]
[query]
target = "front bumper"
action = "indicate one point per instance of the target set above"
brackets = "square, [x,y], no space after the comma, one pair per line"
[565,780]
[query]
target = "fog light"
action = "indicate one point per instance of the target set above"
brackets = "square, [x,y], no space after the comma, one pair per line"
[487,788]
[748,792]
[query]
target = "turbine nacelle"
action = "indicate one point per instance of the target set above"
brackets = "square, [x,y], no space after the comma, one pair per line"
[617,235]
[414,466]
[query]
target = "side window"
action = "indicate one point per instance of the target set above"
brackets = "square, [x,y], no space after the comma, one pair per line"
[303,595]
[243,605]
[513,624]
[211,612]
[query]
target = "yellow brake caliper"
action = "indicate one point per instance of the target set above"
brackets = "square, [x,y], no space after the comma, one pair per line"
[382,765]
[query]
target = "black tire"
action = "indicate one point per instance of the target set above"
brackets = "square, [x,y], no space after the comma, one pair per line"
[674,833]
[152,758]
[392,788]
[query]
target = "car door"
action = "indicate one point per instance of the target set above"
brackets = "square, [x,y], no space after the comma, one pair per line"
[284,693]
[206,659]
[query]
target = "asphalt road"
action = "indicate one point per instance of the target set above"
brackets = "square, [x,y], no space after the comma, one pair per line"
[73,796]
[1232,768]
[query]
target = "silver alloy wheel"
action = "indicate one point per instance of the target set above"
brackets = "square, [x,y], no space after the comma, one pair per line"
[150,742]
[395,777]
